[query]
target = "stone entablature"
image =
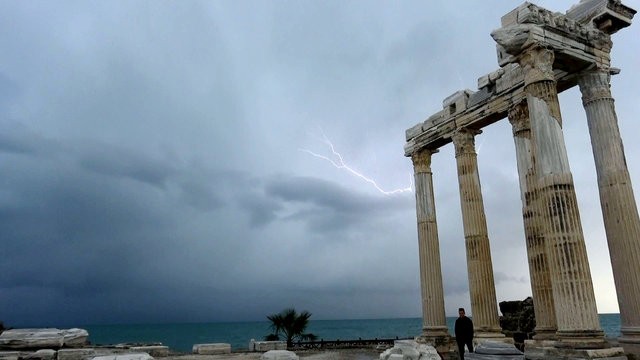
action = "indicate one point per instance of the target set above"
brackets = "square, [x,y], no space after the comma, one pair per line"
[575,41]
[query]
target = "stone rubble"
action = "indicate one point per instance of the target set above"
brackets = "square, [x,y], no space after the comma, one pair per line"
[410,350]
[212,349]
[279,355]
[491,350]
[42,338]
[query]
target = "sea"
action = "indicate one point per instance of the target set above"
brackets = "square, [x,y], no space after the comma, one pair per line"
[181,337]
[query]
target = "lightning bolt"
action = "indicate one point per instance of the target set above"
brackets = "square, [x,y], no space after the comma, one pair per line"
[339,163]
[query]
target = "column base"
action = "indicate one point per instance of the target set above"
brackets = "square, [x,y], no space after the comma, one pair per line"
[483,337]
[545,334]
[549,350]
[438,337]
[630,340]
[491,334]
[630,334]
[581,339]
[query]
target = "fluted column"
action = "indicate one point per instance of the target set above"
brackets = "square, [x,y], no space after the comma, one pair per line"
[433,314]
[619,209]
[481,283]
[536,253]
[574,298]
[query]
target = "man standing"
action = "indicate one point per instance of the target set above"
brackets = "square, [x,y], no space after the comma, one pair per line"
[464,332]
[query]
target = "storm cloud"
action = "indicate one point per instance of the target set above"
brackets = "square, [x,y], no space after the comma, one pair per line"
[153,172]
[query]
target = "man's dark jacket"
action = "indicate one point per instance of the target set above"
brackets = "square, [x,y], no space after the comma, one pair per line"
[464,329]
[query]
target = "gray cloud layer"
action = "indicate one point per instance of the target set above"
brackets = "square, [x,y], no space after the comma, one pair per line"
[153,172]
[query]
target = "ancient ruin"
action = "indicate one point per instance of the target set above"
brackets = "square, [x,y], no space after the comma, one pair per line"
[540,53]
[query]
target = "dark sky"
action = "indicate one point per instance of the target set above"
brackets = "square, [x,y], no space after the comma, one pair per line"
[156,161]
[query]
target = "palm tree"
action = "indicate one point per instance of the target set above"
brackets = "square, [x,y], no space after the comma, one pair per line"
[291,325]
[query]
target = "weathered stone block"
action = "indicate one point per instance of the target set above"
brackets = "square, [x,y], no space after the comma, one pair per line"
[413,131]
[75,337]
[279,355]
[497,348]
[137,356]
[510,18]
[267,345]
[608,16]
[31,338]
[154,350]
[410,350]
[76,354]
[9,355]
[42,354]
[42,338]
[455,103]
[212,349]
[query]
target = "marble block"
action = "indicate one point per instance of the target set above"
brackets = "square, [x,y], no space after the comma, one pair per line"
[76,354]
[263,346]
[279,355]
[410,350]
[42,354]
[493,350]
[153,350]
[212,349]
[9,355]
[136,356]
[42,338]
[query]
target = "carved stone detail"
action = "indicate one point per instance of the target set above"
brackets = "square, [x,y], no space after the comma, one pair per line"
[595,85]
[537,63]
[543,17]
[422,160]
[464,141]
[519,118]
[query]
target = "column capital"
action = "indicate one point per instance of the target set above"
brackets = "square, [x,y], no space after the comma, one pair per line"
[537,63]
[422,160]
[595,85]
[464,140]
[519,118]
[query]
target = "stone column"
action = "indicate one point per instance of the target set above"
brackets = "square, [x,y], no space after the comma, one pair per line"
[481,284]
[575,305]
[619,209]
[546,326]
[434,324]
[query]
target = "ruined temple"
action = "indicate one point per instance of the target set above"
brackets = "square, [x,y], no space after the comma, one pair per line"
[540,53]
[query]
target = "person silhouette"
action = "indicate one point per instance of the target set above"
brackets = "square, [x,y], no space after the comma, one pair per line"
[464,332]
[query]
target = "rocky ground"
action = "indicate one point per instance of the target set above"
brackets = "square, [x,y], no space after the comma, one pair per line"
[342,354]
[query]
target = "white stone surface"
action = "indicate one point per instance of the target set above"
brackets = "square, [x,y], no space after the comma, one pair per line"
[137,356]
[42,338]
[9,355]
[31,338]
[42,354]
[267,345]
[76,354]
[279,355]
[497,348]
[75,337]
[410,350]
[153,350]
[212,349]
